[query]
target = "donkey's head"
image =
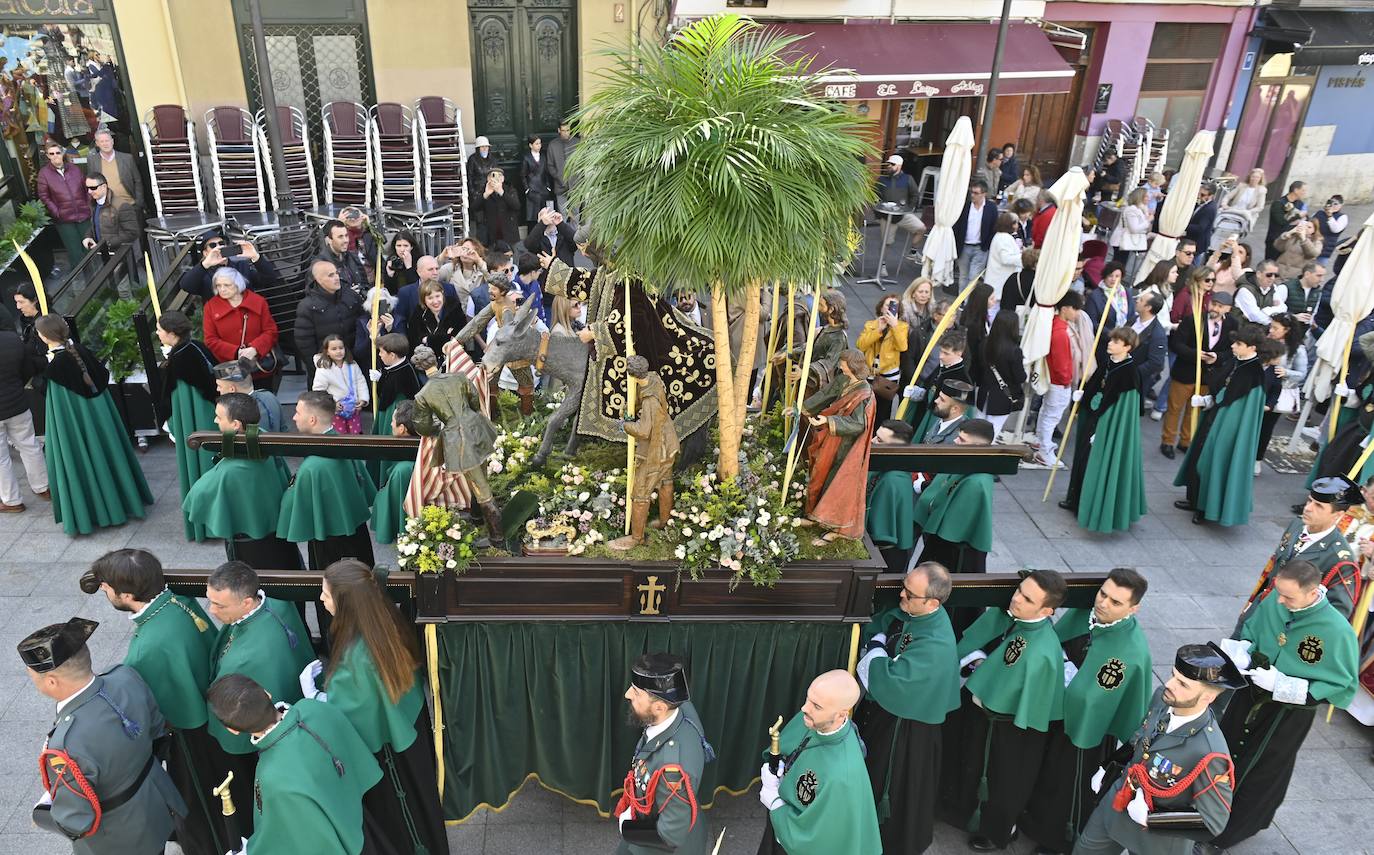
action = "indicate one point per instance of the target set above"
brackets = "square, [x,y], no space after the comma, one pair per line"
[516,341]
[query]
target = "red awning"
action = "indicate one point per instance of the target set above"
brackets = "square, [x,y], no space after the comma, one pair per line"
[887,61]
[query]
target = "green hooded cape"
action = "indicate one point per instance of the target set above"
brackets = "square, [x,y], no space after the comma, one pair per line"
[1222,458]
[1113,494]
[170,650]
[388,507]
[237,497]
[827,797]
[958,508]
[190,413]
[329,497]
[1315,644]
[920,680]
[891,514]
[1110,694]
[271,646]
[92,470]
[1023,676]
[355,689]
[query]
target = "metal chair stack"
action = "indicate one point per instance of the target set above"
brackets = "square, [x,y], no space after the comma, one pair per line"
[347,154]
[395,153]
[169,141]
[440,132]
[236,161]
[295,144]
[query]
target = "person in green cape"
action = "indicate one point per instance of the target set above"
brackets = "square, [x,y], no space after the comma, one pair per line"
[260,638]
[388,506]
[1178,758]
[1107,483]
[1220,488]
[397,381]
[373,678]
[889,517]
[816,791]
[239,499]
[1107,667]
[329,502]
[658,809]
[1015,691]
[954,512]
[950,366]
[170,649]
[93,474]
[311,773]
[1315,536]
[1300,654]
[188,400]
[911,674]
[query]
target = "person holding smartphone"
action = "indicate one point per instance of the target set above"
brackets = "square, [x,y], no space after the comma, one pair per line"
[214,251]
[883,340]
[1330,224]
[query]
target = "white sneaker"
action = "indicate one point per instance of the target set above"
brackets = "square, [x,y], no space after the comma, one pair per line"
[1156,416]
[1312,432]
[1258,468]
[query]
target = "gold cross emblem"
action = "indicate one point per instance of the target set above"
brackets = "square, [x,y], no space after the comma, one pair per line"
[651,596]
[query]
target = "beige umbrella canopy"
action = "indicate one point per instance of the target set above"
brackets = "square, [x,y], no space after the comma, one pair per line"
[1058,256]
[951,191]
[1352,298]
[1180,203]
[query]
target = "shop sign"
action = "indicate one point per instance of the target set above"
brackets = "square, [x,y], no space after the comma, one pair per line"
[1104,97]
[47,8]
[1345,82]
[877,89]
[1366,59]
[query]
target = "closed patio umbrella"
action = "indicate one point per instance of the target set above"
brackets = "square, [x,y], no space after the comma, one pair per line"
[1179,204]
[1352,298]
[1058,256]
[951,192]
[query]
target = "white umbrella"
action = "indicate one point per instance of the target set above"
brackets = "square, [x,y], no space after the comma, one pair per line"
[1352,299]
[951,192]
[1058,256]
[1179,204]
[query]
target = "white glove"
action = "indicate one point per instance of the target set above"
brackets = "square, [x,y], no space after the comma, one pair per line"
[243,847]
[1198,401]
[915,393]
[881,638]
[308,675]
[1265,678]
[628,814]
[1098,777]
[866,663]
[43,800]
[1239,651]
[1364,443]
[768,789]
[374,375]
[1077,395]
[1344,391]
[1138,810]
[1208,401]
[1070,671]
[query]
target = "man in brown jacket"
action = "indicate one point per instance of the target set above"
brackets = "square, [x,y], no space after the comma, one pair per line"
[656,448]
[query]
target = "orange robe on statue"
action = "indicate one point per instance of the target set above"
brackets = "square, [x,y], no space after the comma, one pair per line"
[838,456]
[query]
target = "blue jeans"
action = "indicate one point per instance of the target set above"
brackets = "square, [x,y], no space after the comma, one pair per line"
[1162,402]
[972,260]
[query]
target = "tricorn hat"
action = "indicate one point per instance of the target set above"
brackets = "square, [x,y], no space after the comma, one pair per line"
[957,390]
[1207,663]
[1337,490]
[235,370]
[51,646]
[662,675]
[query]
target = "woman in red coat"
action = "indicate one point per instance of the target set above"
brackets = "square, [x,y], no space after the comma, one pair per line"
[238,323]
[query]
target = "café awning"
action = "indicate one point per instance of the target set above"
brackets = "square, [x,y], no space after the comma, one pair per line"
[878,60]
[1322,36]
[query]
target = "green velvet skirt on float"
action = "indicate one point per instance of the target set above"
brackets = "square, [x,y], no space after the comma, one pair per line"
[94,474]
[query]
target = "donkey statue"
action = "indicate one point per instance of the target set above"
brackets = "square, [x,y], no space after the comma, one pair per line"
[560,356]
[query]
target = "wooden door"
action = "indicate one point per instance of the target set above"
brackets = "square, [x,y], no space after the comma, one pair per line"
[1049,122]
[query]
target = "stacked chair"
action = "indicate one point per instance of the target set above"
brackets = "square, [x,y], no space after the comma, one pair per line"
[295,144]
[347,154]
[236,161]
[395,154]
[169,141]
[439,129]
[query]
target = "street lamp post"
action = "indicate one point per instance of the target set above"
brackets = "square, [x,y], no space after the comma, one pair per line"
[286,201]
[990,105]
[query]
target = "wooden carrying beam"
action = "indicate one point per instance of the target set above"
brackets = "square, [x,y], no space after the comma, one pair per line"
[360,446]
[955,459]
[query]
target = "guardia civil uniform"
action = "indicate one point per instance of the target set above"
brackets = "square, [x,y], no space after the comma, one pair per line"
[658,810]
[1316,659]
[1107,668]
[1183,769]
[102,787]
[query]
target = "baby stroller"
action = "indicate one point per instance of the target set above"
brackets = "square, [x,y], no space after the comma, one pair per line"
[1228,224]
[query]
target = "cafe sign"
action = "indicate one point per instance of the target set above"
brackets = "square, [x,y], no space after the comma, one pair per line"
[879,87]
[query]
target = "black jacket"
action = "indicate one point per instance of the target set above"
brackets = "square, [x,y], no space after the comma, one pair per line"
[65,371]
[1013,372]
[398,381]
[198,281]
[534,175]
[16,367]
[1151,355]
[989,225]
[1183,344]
[191,363]
[320,314]
[496,217]
[538,243]
[352,275]
[422,328]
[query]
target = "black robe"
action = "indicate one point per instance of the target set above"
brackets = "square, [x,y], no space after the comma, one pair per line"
[1243,378]
[1112,380]
[423,328]
[1011,763]
[197,765]
[409,785]
[398,381]
[1344,449]
[192,363]
[1264,737]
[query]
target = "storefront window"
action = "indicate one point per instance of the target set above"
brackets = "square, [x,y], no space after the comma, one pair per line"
[1177,75]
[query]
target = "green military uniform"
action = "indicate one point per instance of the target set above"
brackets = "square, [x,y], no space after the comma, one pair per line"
[912,677]
[954,516]
[1331,553]
[673,761]
[102,787]
[1104,701]
[827,801]
[171,648]
[313,770]
[388,506]
[1165,757]
[1013,697]
[270,645]
[1316,655]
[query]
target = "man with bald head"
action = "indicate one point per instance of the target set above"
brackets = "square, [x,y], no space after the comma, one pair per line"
[326,309]
[818,797]
[427,268]
[911,674]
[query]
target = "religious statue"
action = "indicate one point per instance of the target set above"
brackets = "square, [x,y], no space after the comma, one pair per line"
[841,417]
[656,448]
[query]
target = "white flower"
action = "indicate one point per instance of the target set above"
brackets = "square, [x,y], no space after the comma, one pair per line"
[762,502]
[451,564]
[583,496]
[494,467]
[686,532]
[680,552]
[764,517]
[796,522]
[742,522]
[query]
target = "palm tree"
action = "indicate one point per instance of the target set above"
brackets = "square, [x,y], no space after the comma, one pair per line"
[713,163]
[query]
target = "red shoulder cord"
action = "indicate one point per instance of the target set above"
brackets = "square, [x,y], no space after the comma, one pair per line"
[82,790]
[1138,776]
[681,789]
